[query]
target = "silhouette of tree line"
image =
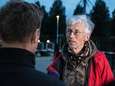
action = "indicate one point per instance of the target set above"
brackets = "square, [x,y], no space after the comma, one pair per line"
[104,32]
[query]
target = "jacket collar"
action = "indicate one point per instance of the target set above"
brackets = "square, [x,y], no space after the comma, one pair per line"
[16,56]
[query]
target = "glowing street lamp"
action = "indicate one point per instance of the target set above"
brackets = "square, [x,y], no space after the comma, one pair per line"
[48,41]
[57,28]
[38,41]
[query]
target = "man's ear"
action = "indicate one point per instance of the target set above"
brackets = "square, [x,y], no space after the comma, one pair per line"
[35,36]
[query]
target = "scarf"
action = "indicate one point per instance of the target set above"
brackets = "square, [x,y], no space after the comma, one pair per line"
[76,64]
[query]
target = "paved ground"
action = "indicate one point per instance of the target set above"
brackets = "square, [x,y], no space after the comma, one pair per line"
[42,63]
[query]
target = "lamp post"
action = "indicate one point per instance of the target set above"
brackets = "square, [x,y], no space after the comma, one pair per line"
[56,43]
[57,28]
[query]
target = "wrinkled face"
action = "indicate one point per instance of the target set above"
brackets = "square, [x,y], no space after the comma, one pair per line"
[76,36]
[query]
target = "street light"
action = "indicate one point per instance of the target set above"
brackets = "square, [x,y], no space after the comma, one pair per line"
[56,43]
[38,41]
[48,41]
[57,28]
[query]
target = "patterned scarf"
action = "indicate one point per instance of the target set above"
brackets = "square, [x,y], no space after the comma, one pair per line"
[76,65]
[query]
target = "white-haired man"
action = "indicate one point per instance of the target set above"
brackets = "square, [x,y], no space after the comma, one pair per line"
[81,63]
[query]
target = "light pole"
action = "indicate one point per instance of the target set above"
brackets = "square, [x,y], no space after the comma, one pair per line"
[56,43]
[57,28]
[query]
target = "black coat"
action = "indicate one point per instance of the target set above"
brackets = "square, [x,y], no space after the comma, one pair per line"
[17,69]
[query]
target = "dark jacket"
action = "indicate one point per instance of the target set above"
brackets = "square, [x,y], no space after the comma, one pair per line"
[17,69]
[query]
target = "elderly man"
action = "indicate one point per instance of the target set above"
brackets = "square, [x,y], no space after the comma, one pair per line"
[19,31]
[81,63]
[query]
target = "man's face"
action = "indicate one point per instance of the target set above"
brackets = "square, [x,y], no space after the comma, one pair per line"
[76,36]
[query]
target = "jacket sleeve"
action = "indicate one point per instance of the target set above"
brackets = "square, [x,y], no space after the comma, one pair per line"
[53,68]
[100,72]
[106,71]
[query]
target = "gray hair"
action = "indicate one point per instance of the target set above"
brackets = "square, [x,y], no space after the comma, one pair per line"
[82,18]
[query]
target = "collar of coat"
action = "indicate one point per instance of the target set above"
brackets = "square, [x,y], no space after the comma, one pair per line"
[16,56]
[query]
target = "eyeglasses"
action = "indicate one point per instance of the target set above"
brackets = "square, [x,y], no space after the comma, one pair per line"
[75,32]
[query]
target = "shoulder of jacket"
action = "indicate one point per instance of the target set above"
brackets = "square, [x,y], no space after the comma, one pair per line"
[99,54]
[99,57]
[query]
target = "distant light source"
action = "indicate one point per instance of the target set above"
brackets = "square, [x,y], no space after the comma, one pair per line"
[57,28]
[38,41]
[57,16]
[48,41]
